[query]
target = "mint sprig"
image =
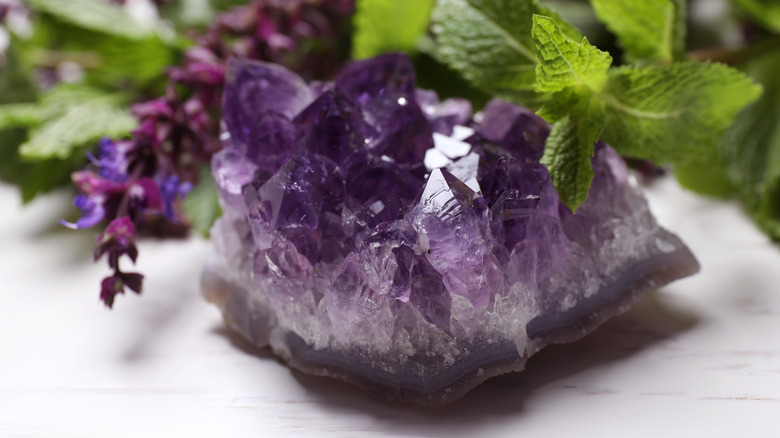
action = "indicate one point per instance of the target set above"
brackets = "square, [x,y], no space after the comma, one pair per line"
[660,108]
[566,63]
[569,148]
[489,42]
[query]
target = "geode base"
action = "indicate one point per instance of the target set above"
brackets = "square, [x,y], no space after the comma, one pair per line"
[447,382]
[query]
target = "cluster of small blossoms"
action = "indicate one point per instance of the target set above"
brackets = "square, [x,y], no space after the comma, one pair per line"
[136,183]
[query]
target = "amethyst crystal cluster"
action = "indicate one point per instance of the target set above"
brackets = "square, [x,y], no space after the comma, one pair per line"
[374,233]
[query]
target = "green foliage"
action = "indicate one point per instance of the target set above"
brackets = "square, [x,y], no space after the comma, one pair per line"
[43,138]
[70,119]
[202,203]
[489,42]
[649,31]
[657,109]
[43,143]
[389,25]
[565,63]
[97,16]
[16,94]
[765,12]
[108,60]
[673,113]
[751,147]
[707,176]
[569,149]
[191,13]
[19,115]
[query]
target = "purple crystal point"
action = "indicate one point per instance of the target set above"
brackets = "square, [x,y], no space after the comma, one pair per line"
[253,88]
[373,79]
[347,284]
[518,130]
[376,234]
[232,171]
[384,87]
[428,294]
[451,219]
[406,137]
[369,179]
[334,127]
[390,250]
[294,197]
[523,199]
[272,140]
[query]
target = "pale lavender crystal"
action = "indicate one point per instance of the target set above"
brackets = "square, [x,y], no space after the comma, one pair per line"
[350,258]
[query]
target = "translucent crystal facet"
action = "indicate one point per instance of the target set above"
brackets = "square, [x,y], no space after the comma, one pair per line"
[376,234]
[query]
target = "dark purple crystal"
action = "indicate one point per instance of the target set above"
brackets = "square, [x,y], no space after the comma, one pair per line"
[389,239]
[254,88]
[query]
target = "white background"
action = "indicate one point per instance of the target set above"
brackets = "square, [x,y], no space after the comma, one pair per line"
[700,357]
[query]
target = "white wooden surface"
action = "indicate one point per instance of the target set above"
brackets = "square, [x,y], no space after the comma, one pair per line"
[699,358]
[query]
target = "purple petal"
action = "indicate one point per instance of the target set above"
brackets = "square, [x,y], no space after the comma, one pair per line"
[109,288]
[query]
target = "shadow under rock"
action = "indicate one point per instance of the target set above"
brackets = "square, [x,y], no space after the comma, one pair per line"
[160,318]
[650,321]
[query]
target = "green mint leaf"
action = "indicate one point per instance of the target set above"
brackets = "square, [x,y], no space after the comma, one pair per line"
[707,176]
[188,13]
[489,42]
[108,60]
[765,12]
[73,117]
[143,60]
[650,31]
[31,178]
[673,113]
[16,84]
[98,16]
[389,26]
[751,147]
[569,148]
[19,115]
[44,176]
[202,203]
[565,63]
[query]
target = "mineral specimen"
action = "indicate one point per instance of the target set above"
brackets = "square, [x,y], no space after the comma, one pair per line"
[376,234]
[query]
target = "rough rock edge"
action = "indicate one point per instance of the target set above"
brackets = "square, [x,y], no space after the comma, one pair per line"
[258,328]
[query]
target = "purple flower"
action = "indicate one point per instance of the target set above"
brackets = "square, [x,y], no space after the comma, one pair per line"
[91,184]
[96,192]
[141,179]
[145,195]
[92,212]
[171,189]
[116,241]
[114,285]
[113,163]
